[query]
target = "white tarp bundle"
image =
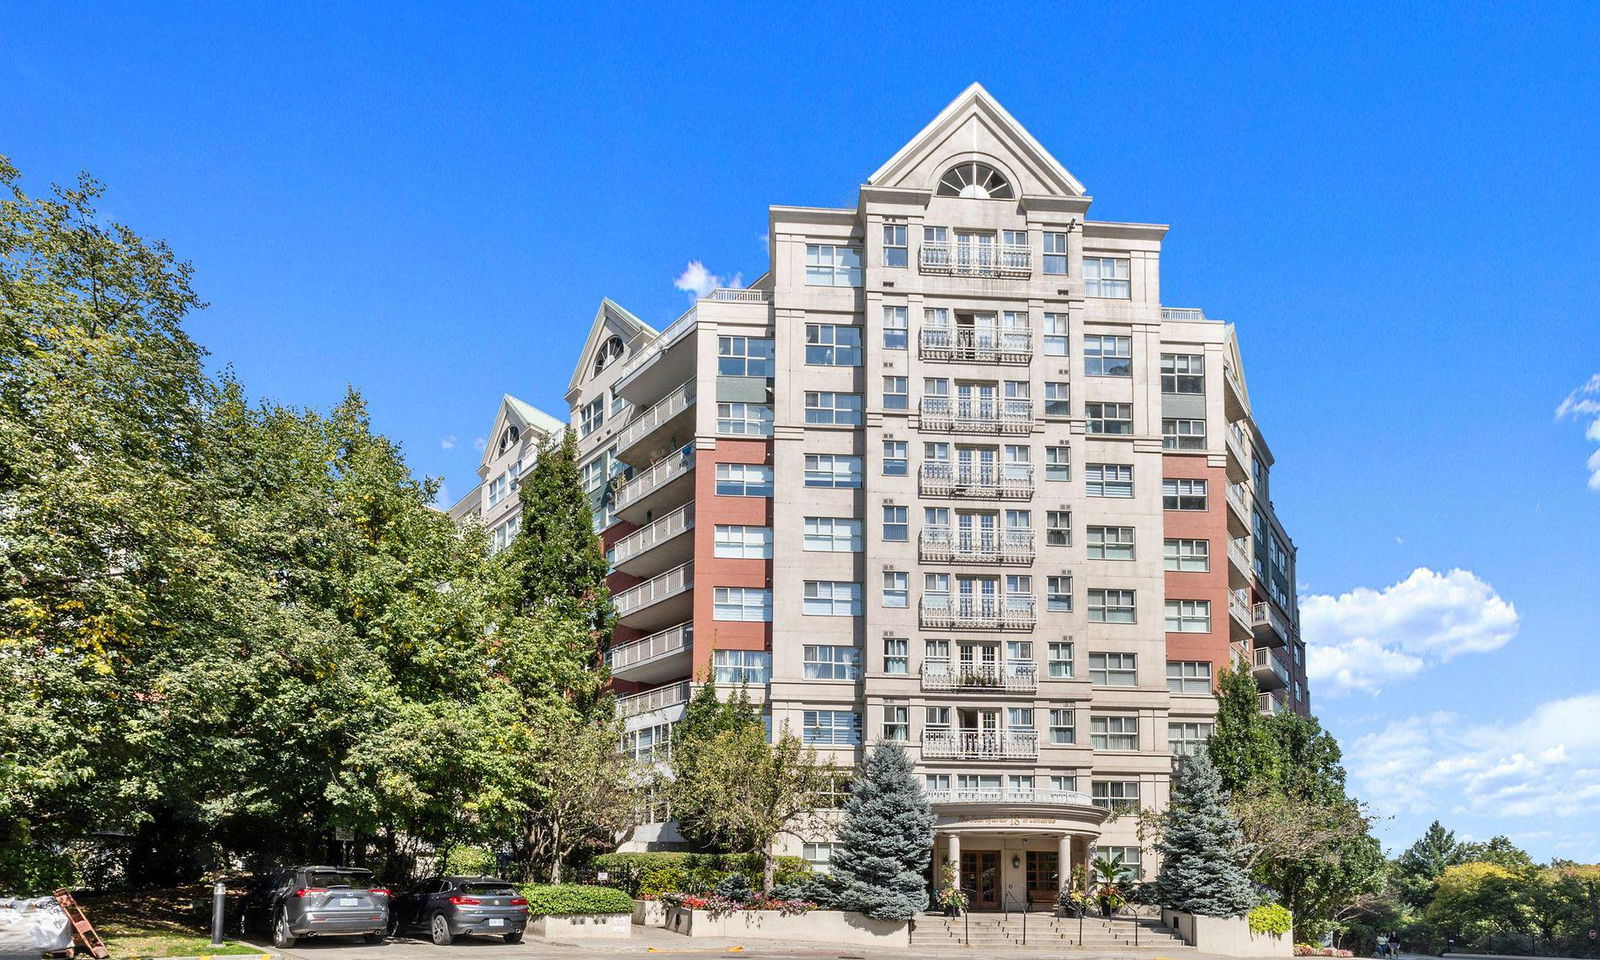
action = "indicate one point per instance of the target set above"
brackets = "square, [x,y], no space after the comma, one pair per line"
[31,927]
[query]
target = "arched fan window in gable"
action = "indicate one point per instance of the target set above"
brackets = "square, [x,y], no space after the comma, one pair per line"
[509,436]
[609,351]
[972,179]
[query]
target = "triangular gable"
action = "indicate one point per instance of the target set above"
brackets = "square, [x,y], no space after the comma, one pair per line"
[976,126]
[526,416]
[1236,362]
[610,318]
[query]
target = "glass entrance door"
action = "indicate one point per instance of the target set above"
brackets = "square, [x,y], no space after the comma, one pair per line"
[980,873]
[1044,878]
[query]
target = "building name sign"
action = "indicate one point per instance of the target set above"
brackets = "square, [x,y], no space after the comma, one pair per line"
[1008,821]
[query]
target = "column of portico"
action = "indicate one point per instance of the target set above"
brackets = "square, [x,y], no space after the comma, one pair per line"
[1064,860]
[955,859]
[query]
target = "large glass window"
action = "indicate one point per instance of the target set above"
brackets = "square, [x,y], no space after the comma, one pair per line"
[1058,528]
[1115,419]
[1108,479]
[1187,739]
[895,251]
[1118,796]
[896,588]
[741,666]
[832,598]
[1108,356]
[839,409]
[833,345]
[742,542]
[1114,669]
[1055,254]
[1180,494]
[1179,434]
[1058,593]
[896,393]
[1189,676]
[593,414]
[744,356]
[744,419]
[1055,334]
[830,662]
[1111,606]
[896,524]
[1107,277]
[1114,733]
[741,603]
[833,728]
[1183,373]
[1188,616]
[1057,400]
[833,470]
[896,722]
[832,534]
[895,328]
[1110,543]
[1059,663]
[1186,556]
[1063,726]
[896,656]
[829,265]
[744,480]
[896,461]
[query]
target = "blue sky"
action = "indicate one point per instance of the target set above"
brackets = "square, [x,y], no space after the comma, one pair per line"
[1398,208]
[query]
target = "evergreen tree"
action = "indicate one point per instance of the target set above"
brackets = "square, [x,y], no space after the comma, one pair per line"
[886,837]
[1203,852]
[1241,748]
[556,558]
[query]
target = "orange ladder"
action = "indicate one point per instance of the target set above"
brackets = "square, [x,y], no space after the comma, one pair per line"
[82,929]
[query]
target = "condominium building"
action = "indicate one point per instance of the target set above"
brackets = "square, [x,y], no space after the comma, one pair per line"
[519,431]
[951,475]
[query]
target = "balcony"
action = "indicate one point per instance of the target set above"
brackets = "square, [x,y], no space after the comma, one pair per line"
[656,487]
[942,675]
[657,368]
[1270,627]
[979,745]
[944,545]
[1270,672]
[941,478]
[1010,797]
[977,416]
[658,601]
[670,419]
[657,545]
[1238,458]
[1240,620]
[660,656]
[992,613]
[1273,703]
[976,259]
[1239,562]
[1238,510]
[650,701]
[986,345]
[1236,403]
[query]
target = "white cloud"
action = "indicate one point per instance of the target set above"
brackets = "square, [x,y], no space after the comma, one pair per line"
[1584,403]
[1361,639]
[447,443]
[1544,767]
[479,444]
[697,281]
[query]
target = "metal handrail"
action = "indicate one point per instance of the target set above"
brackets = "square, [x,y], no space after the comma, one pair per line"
[1005,901]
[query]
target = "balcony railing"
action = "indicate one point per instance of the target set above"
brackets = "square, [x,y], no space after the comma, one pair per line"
[977,416]
[1012,345]
[1270,626]
[656,589]
[687,319]
[978,745]
[1269,670]
[1184,314]
[1272,703]
[970,546]
[944,675]
[1239,553]
[1038,795]
[656,415]
[1011,613]
[941,478]
[669,468]
[650,701]
[665,643]
[653,534]
[1237,406]
[976,260]
[1239,610]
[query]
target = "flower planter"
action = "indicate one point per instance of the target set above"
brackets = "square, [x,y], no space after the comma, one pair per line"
[582,925]
[815,926]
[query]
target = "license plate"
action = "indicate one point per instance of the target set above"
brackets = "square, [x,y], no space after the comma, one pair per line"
[497,923]
[347,901]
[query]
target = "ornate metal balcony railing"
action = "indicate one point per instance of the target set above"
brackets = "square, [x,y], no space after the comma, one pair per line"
[1037,795]
[944,675]
[1011,345]
[944,544]
[942,478]
[977,416]
[979,745]
[976,259]
[1009,613]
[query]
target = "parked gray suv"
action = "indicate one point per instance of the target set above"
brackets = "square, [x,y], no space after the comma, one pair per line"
[316,902]
[450,907]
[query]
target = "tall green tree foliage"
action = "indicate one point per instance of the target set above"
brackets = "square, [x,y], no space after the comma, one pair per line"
[1240,747]
[1418,869]
[706,716]
[886,839]
[1203,853]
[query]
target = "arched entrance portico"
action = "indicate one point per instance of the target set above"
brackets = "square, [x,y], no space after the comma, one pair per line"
[1013,848]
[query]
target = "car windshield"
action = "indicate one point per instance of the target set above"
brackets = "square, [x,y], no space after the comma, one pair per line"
[340,880]
[492,888]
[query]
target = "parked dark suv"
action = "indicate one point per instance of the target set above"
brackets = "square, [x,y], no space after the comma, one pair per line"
[450,907]
[316,902]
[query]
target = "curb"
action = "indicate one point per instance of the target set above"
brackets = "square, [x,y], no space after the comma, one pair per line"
[214,956]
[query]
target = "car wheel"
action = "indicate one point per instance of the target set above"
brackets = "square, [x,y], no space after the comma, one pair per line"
[282,936]
[378,937]
[439,927]
[515,937]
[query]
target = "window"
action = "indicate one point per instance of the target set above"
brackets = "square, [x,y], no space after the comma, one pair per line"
[1105,356]
[744,356]
[741,666]
[617,403]
[1113,669]
[1106,277]
[936,718]
[1183,373]
[1187,739]
[818,855]
[1109,418]
[649,744]
[833,470]
[974,180]
[828,265]
[1067,784]
[839,409]
[1128,856]
[1114,733]
[1058,593]
[750,419]
[1057,400]
[741,603]
[1118,796]
[1178,494]
[740,542]
[1109,479]
[824,662]
[1058,528]
[1019,719]
[1110,543]
[1019,593]
[1063,727]
[1058,462]
[896,588]
[1111,606]
[1183,434]
[498,488]
[897,723]
[594,414]
[895,251]
[833,345]
[936,782]
[1187,556]
[744,480]
[832,534]
[896,524]
[832,598]
[502,535]
[1188,616]
[896,655]
[895,328]
[836,728]
[895,458]
[896,394]
[1055,254]
[1189,676]
[1055,334]
[936,590]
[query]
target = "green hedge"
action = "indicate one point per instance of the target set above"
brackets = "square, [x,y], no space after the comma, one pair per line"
[575,898]
[652,874]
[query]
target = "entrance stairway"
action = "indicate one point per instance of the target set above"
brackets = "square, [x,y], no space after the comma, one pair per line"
[1045,930]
